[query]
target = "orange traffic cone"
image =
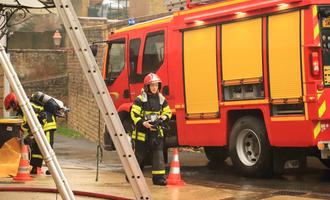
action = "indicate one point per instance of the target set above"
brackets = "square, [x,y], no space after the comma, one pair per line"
[174,178]
[23,173]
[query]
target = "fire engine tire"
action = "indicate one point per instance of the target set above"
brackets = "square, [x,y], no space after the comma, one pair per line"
[249,147]
[216,154]
[325,162]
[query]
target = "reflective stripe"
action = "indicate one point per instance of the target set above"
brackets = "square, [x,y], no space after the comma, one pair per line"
[136,113]
[37,108]
[136,119]
[36,156]
[48,136]
[151,112]
[316,26]
[317,130]
[322,109]
[49,126]
[137,109]
[167,111]
[141,136]
[24,125]
[175,170]
[158,172]
[134,134]
[316,31]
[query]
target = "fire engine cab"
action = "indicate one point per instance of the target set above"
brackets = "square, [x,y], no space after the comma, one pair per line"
[249,80]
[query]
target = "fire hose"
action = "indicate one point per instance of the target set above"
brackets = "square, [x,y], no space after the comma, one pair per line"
[52,190]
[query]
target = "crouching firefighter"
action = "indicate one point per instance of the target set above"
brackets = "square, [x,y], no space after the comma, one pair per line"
[148,111]
[47,121]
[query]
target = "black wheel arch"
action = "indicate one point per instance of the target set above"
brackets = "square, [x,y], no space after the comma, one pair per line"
[234,115]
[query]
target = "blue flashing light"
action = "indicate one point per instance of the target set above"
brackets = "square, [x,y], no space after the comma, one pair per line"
[131,22]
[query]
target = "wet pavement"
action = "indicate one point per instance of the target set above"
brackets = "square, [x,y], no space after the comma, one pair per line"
[77,158]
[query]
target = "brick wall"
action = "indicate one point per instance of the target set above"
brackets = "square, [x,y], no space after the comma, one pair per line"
[35,64]
[84,114]
[81,7]
[139,8]
[56,87]
[156,7]
[39,70]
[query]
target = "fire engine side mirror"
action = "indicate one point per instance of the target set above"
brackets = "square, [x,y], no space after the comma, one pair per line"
[94,48]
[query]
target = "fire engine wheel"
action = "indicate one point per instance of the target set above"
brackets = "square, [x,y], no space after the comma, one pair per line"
[249,147]
[216,154]
[325,162]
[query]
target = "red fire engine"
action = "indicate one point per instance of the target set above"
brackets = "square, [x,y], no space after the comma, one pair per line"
[245,79]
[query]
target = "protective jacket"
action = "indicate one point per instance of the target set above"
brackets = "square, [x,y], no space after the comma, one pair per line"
[146,105]
[48,123]
[148,141]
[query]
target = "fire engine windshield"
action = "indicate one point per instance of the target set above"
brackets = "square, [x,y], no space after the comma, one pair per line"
[116,60]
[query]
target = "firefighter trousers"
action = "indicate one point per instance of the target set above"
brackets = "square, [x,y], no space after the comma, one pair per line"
[36,156]
[146,149]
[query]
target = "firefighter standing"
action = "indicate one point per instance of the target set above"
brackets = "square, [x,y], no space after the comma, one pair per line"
[148,107]
[47,121]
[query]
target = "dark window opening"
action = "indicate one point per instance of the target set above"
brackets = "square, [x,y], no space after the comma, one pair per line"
[324,16]
[134,47]
[153,55]
[116,60]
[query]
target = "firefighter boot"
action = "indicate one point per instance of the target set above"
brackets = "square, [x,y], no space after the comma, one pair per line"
[159,180]
[34,170]
[48,173]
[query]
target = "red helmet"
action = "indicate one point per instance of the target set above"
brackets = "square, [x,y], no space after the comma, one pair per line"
[11,101]
[151,78]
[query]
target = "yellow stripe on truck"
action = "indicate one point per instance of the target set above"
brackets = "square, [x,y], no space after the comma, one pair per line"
[322,109]
[317,130]
[316,26]
[316,31]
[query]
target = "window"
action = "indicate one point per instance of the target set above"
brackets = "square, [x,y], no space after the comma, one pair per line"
[153,55]
[116,60]
[134,47]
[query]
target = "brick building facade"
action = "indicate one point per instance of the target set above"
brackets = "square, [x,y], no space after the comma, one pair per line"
[84,115]
[39,70]
[139,8]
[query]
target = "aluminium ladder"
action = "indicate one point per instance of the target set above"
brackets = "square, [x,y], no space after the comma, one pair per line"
[40,137]
[103,99]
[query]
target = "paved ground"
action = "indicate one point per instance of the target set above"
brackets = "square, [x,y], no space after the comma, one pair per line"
[78,161]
